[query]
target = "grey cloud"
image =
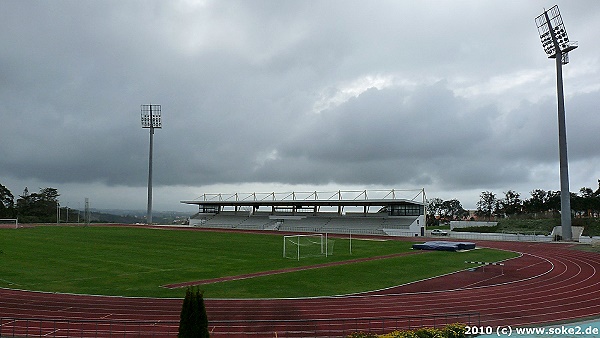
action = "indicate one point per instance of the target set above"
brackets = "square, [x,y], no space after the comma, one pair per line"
[239,81]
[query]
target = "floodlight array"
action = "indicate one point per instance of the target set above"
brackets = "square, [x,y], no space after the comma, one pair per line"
[551,29]
[561,38]
[151,116]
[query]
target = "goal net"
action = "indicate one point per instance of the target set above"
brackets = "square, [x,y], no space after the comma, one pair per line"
[307,245]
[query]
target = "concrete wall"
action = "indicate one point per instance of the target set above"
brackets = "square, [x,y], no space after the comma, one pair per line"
[590,240]
[576,231]
[500,237]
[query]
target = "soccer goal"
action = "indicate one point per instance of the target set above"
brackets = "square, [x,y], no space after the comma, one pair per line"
[9,223]
[307,245]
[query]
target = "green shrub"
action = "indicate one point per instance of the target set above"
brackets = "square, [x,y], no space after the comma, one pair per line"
[362,335]
[193,322]
[449,331]
[591,225]
[456,330]
[482,229]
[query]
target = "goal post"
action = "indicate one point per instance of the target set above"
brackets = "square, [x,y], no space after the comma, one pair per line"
[306,245]
[9,222]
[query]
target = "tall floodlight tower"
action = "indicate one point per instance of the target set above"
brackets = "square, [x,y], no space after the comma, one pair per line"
[151,119]
[557,45]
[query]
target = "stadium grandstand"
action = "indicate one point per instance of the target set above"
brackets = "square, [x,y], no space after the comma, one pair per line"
[376,212]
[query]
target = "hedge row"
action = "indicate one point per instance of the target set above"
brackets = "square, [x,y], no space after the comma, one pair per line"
[448,331]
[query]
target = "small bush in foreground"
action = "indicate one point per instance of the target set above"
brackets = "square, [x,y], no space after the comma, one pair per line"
[362,335]
[193,322]
[448,331]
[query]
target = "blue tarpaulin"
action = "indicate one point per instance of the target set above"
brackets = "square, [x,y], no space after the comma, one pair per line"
[444,246]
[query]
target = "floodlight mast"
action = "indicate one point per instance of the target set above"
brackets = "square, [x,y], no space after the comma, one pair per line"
[151,118]
[556,44]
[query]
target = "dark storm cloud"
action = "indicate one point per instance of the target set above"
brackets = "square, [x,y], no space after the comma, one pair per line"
[421,136]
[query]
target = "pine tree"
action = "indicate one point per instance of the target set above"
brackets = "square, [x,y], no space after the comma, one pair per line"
[193,320]
[184,318]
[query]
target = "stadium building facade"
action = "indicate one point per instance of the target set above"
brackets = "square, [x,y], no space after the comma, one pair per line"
[378,212]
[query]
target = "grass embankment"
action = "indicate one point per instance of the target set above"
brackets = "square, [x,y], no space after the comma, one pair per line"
[538,226]
[129,261]
[591,225]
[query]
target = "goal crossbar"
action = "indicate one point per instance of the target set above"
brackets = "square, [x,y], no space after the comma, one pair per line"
[299,241]
[10,221]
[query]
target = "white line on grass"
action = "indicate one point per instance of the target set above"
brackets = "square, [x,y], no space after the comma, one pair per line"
[9,282]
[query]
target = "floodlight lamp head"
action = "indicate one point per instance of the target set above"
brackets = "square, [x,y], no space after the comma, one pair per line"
[554,35]
[151,116]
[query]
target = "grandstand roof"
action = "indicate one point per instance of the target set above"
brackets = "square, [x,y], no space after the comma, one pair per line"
[338,198]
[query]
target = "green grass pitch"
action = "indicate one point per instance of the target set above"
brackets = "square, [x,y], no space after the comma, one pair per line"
[129,261]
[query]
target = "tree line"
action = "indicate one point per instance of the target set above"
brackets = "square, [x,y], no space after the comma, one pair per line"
[542,203]
[36,207]
[41,206]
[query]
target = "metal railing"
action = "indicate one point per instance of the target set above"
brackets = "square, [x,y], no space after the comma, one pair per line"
[336,327]
[58,328]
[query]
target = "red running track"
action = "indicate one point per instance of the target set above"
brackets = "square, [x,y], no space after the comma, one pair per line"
[548,283]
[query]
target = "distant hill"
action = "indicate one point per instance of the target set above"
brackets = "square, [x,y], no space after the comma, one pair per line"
[136,216]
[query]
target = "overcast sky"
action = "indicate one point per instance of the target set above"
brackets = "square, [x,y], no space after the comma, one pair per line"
[456,97]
